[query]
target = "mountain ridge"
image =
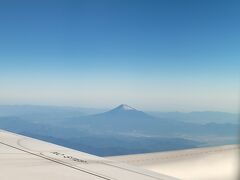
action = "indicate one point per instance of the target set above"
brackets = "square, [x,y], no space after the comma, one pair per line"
[127,120]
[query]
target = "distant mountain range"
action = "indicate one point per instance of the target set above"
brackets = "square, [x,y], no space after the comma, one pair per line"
[202,117]
[122,130]
[53,114]
[127,120]
[45,114]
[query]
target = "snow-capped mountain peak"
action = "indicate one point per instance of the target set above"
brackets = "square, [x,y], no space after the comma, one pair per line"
[124,107]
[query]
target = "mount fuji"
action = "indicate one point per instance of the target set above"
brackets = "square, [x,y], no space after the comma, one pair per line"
[127,120]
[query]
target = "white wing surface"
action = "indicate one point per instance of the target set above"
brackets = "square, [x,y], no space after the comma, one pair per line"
[214,163]
[23,158]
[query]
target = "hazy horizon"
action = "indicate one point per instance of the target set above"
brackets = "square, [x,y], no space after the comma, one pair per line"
[107,108]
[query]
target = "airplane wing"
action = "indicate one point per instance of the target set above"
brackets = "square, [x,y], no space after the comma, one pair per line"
[24,158]
[214,163]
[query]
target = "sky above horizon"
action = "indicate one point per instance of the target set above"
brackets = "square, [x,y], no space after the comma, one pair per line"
[164,55]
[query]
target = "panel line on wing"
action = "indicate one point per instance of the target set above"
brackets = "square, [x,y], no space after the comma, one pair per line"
[59,162]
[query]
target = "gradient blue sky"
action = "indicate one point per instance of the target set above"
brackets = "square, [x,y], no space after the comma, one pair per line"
[165,55]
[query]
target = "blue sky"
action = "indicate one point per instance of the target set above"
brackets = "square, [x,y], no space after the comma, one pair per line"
[165,55]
